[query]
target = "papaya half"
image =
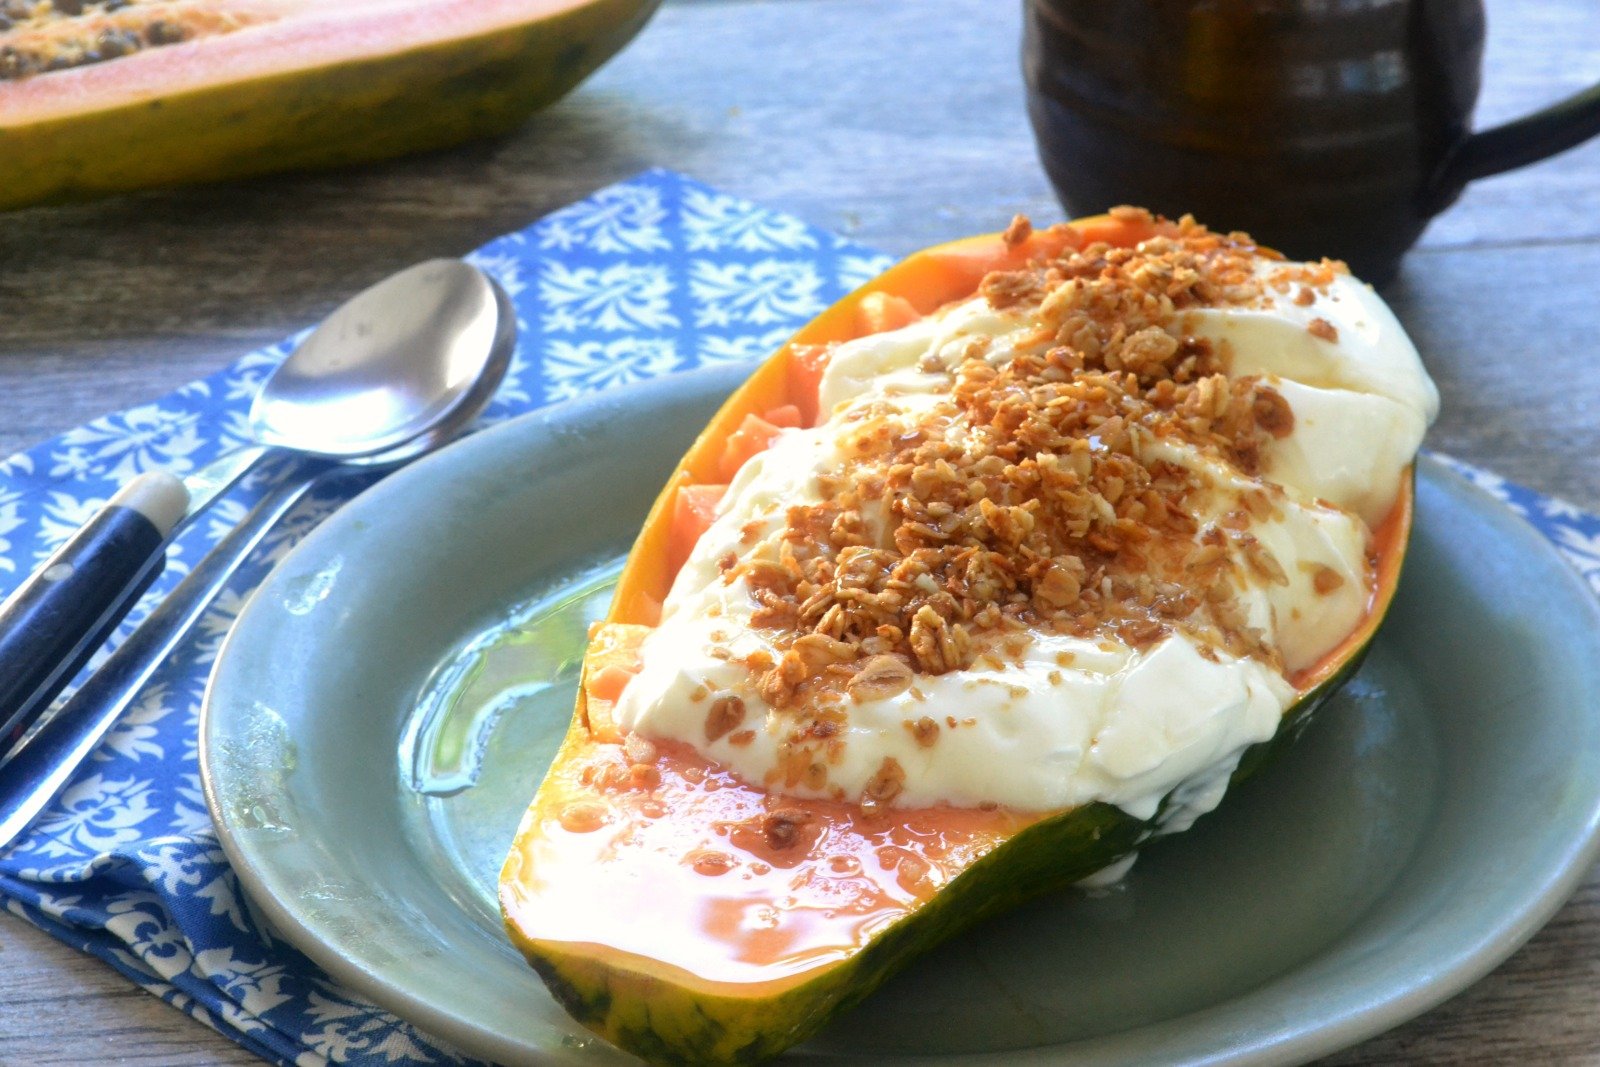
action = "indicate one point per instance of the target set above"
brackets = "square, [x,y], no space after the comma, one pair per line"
[99,97]
[693,917]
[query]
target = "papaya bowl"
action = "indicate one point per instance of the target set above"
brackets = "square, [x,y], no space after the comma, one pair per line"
[1321,905]
[1006,564]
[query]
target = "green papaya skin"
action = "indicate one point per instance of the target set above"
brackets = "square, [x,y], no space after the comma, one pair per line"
[666,1025]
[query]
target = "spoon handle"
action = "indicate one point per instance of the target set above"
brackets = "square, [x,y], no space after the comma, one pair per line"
[52,623]
[34,773]
[218,476]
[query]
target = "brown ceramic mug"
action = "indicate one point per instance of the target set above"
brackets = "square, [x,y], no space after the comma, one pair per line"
[1324,127]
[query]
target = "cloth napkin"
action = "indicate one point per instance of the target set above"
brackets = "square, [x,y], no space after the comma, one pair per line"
[651,276]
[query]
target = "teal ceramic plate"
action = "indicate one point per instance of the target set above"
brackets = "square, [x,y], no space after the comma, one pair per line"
[388,700]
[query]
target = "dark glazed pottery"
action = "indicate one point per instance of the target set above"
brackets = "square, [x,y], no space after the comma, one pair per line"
[1324,127]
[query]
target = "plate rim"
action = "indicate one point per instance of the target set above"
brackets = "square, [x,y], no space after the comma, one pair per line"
[1316,1038]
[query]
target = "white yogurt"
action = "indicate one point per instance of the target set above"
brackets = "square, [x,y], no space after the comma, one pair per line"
[1116,724]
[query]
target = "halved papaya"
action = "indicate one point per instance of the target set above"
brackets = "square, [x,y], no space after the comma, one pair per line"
[99,98]
[691,917]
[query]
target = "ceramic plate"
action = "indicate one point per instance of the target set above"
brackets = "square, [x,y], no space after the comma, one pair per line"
[388,700]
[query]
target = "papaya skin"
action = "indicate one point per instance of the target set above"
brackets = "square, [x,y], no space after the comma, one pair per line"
[667,1015]
[664,1022]
[334,113]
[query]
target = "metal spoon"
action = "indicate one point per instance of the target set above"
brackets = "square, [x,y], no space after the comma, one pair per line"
[37,771]
[386,367]
[397,363]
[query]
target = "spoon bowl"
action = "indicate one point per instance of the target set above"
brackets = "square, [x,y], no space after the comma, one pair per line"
[389,364]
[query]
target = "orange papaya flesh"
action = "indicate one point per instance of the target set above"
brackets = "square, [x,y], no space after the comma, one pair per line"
[693,918]
[786,417]
[152,96]
[609,664]
[805,364]
[677,836]
[694,509]
[880,312]
[754,435]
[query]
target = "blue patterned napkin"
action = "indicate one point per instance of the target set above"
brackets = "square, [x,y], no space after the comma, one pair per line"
[654,275]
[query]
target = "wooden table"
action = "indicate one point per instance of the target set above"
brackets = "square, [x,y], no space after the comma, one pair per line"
[899,123]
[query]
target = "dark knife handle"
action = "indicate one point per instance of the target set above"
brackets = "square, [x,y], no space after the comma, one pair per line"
[37,771]
[52,623]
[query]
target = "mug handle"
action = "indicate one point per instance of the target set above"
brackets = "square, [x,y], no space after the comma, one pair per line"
[1560,126]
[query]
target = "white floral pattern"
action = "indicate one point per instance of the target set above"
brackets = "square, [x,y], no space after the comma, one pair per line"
[740,348]
[345,1025]
[575,368]
[134,736]
[118,447]
[504,268]
[255,985]
[1583,549]
[649,277]
[623,218]
[857,270]
[714,221]
[94,814]
[1506,492]
[623,296]
[10,519]
[759,294]
[62,514]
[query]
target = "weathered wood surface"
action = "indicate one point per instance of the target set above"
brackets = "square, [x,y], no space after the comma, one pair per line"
[900,123]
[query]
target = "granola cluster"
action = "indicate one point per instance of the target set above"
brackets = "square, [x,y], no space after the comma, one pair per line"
[1033,493]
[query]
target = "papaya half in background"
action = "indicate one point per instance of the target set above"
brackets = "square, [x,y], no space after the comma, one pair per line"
[100,98]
